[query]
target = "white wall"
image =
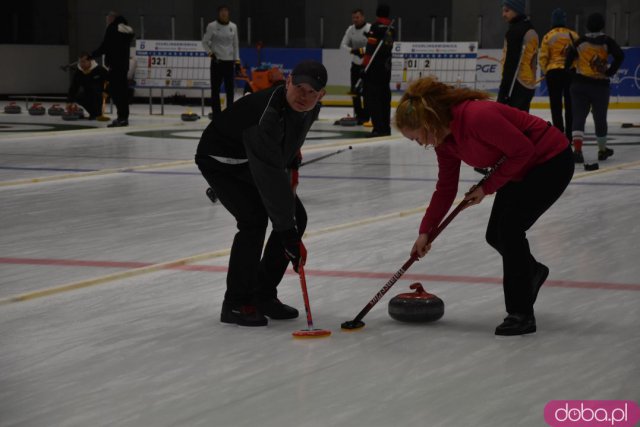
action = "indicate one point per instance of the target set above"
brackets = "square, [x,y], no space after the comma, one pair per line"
[33,69]
[338,65]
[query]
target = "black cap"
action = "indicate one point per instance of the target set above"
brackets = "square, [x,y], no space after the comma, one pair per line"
[383,11]
[595,22]
[310,72]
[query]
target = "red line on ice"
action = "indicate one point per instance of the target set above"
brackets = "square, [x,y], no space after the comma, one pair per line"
[324,273]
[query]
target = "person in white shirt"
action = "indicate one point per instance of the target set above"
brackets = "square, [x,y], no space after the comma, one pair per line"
[355,42]
[220,41]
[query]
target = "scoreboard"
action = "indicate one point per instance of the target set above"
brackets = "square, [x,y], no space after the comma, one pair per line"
[172,64]
[451,62]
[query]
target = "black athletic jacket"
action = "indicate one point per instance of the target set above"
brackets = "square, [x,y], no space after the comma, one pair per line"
[115,45]
[262,130]
[92,83]
[520,33]
[589,56]
[383,32]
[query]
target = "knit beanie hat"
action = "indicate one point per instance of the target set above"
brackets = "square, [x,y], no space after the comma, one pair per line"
[516,5]
[595,22]
[558,18]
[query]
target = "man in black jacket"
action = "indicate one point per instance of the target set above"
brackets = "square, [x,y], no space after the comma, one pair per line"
[520,57]
[88,85]
[115,48]
[377,57]
[247,157]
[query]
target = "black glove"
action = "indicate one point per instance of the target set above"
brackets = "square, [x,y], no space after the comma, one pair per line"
[294,249]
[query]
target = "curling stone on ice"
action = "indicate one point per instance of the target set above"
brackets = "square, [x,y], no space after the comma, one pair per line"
[346,121]
[12,108]
[73,112]
[419,306]
[37,109]
[55,110]
[189,116]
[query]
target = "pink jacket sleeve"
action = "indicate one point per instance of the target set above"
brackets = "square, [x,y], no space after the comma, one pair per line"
[446,189]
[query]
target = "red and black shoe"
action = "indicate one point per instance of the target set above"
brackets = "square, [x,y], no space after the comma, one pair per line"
[274,309]
[242,315]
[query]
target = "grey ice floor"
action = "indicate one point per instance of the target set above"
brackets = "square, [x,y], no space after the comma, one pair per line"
[89,214]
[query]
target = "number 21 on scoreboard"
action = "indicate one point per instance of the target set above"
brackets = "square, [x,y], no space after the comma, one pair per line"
[154,60]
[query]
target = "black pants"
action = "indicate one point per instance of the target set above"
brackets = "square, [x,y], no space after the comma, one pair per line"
[221,71]
[587,96]
[118,89]
[559,83]
[90,100]
[253,275]
[359,110]
[520,97]
[377,99]
[517,206]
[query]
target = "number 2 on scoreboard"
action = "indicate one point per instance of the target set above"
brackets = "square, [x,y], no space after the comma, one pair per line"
[168,72]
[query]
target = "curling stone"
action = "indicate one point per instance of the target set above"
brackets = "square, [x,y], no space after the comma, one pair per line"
[346,121]
[37,109]
[12,108]
[73,113]
[189,117]
[419,306]
[55,110]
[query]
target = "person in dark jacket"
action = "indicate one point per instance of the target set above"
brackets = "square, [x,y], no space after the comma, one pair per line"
[519,57]
[88,85]
[590,85]
[247,157]
[115,48]
[377,93]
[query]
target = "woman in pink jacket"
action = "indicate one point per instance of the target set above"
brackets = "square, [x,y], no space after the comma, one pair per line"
[463,126]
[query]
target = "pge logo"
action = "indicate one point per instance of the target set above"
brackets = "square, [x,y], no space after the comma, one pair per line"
[486,68]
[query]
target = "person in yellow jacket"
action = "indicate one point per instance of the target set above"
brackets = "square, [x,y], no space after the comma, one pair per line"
[590,85]
[553,54]
[520,57]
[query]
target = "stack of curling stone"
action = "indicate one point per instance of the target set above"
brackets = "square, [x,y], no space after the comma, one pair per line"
[37,109]
[189,116]
[55,110]
[346,121]
[73,112]
[12,108]
[417,307]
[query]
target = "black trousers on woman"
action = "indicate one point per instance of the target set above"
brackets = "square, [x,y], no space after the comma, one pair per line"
[253,275]
[517,206]
[559,84]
